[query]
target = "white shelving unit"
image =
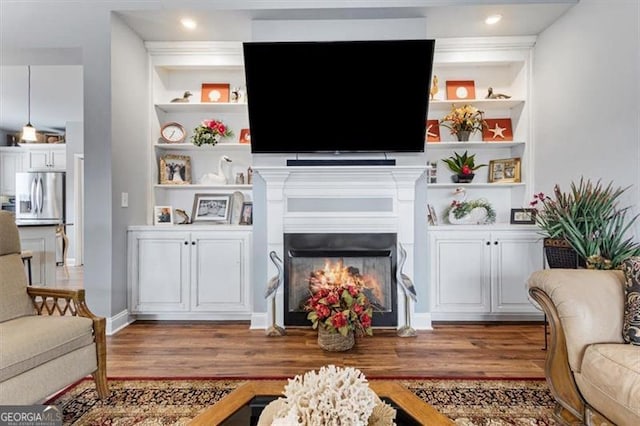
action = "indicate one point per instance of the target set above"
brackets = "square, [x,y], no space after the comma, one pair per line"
[499,257]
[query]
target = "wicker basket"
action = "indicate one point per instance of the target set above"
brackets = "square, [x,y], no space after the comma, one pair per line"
[560,254]
[335,342]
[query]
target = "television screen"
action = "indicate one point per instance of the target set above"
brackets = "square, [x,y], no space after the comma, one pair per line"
[339,96]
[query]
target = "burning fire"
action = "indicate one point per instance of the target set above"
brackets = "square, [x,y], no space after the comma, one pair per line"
[337,274]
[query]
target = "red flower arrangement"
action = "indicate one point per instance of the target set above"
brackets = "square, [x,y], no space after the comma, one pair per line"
[340,309]
[210,132]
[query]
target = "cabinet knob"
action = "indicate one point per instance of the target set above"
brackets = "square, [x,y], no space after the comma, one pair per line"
[488,243]
[495,243]
[193,243]
[186,243]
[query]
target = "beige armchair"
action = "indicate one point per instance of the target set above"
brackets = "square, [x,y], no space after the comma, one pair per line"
[593,375]
[49,338]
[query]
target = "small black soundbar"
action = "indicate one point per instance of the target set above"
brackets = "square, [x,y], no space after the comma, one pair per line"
[380,162]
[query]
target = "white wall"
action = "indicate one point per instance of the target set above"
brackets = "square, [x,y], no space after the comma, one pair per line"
[129,142]
[586,93]
[74,137]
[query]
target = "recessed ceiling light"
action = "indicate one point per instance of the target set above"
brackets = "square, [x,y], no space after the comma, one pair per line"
[493,19]
[189,23]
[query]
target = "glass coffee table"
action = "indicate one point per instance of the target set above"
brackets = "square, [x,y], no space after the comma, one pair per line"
[235,408]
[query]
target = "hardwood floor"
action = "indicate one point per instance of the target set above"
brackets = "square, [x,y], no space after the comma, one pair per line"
[210,349]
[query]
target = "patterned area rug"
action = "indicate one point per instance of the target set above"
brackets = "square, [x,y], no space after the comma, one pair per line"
[176,401]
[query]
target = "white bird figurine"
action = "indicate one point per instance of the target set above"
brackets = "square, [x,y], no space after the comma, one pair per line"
[409,293]
[273,284]
[276,280]
[216,178]
[404,280]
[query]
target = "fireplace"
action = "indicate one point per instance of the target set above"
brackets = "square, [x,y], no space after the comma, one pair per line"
[367,260]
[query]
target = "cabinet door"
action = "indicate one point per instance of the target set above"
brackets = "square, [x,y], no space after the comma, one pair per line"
[41,241]
[10,164]
[460,271]
[58,158]
[159,271]
[515,256]
[37,159]
[220,272]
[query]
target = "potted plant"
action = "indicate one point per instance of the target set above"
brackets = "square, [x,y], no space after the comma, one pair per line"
[589,221]
[463,121]
[463,166]
[338,312]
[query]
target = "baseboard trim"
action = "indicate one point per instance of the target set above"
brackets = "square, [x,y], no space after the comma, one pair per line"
[258,321]
[118,322]
[422,321]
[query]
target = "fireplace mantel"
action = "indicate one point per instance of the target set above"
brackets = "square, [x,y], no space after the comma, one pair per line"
[341,199]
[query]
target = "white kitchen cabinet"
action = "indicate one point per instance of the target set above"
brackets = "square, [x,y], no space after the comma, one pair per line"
[41,241]
[11,162]
[47,157]
[480,274]
[189,273]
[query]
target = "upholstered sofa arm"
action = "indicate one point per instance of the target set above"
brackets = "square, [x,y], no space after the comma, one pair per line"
[589,304]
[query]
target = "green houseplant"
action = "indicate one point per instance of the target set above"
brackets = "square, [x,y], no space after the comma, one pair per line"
[463,166]
[589,219]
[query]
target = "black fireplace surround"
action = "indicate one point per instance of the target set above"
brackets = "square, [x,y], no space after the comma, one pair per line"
[372,255]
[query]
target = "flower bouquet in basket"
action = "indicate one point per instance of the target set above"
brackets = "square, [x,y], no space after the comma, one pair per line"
[210,132]
[463,121]
[340,309]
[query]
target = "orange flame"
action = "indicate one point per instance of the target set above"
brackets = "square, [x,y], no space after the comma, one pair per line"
[336,274]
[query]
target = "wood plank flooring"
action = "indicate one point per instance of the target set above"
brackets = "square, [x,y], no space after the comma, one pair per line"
[209,349]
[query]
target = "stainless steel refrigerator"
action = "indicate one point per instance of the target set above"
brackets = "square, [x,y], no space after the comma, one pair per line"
[40,198]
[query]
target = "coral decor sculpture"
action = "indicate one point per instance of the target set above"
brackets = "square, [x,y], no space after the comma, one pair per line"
[332,396]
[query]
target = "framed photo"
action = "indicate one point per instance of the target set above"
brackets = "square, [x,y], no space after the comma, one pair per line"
[461,89]
[214,92]
[162,215]
[175,169]
[433,131]
[431,215]
[245,136]
[497,130]
[246,217]
[211,208]
[523,216]
[504,171]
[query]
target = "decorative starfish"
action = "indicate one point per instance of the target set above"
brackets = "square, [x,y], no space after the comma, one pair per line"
[497,131]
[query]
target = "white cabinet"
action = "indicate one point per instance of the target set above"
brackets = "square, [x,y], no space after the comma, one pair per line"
[176,67]
[189,273]
[480,274]
[41,241]
[52,157]
[11,162]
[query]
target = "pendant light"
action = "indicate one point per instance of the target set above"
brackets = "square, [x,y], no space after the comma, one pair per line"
[28,131]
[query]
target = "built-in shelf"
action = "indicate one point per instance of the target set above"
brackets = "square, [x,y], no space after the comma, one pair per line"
[187,107]
[475,185]
[199,186]
[226,147]
[480,103]
[475,145]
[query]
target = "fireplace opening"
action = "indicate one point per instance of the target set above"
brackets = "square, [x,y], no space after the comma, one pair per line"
[367,261]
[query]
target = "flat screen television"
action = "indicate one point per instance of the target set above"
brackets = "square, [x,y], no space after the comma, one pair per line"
[338,96]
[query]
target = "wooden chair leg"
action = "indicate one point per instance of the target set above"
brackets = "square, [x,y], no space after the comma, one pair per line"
[100,375]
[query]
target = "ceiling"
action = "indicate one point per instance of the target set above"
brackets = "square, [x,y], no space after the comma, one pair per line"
[56,95]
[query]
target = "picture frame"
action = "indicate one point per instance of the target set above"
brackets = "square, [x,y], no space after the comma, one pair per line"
[432,218]
[524,216]
[215,93]
[245,136]
[246,216]
[211,208]
[432,132]
[175,169]
[497,130]
[162,215]
[461,89]
[505,170]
